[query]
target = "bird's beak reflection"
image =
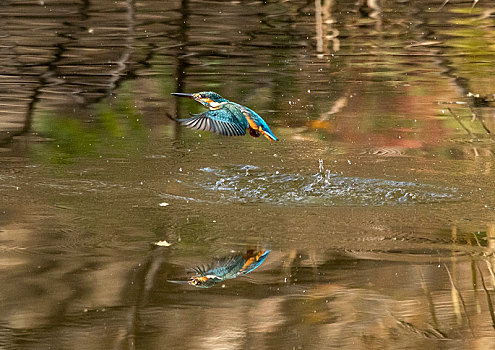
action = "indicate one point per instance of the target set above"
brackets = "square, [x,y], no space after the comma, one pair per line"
[178,282]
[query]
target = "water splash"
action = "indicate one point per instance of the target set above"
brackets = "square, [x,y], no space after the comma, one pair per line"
[250,184]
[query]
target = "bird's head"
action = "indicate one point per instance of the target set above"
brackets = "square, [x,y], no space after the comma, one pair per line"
[209,99]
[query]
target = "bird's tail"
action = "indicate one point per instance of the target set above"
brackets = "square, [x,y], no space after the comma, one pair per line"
[254,262]
[265,130]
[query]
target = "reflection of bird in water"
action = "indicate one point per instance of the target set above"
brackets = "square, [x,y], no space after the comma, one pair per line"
[225,117]
[227,268]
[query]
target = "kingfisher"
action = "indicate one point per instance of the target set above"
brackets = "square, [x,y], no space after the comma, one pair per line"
[226,268]
[225,117]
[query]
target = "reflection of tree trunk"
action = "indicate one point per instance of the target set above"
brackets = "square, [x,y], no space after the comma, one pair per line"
[288,265]
[143,282]
[441,57]
[488,298]
[458,301]
[454,292]
[376,13]
[490,236]
[429,298]
[44,79]
[182,63]
[319,27]
[122,62]
[324,28]
[50,76]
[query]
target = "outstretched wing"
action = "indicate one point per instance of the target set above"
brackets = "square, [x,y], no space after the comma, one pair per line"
[224,268]
[221,121]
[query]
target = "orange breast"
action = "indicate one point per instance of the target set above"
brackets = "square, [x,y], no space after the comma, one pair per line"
[250,120]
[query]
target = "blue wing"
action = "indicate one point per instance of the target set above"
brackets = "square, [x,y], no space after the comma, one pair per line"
[233,266]
[221,121]
[224,268]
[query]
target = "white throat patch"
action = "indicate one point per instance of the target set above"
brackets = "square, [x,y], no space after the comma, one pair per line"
[215,105]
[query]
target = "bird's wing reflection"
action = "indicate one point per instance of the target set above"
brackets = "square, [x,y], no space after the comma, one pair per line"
[225,268]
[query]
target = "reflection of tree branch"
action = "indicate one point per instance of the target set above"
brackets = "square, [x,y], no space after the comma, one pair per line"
[456,117]
[448,69]
[482,122]
[457,296]
[443,4]
[327,17]
[446,1]
[28,119]
[44,78]
[145,279]
[430,333]
[122,63]
[336,107]
[376,13]
[124,70]
[322,122]
[319,27]
[181,58]
[323,22]
[289,264]
[49,77]
[488,298]
[431,304]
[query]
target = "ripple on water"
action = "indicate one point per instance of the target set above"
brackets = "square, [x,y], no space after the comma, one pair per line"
[249,184]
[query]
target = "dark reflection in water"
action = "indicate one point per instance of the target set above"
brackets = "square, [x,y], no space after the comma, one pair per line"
[391,245]
[226,268]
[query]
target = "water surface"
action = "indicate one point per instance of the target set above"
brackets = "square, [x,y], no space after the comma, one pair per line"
[377,205]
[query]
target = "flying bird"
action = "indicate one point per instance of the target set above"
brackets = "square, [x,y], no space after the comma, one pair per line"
[225,117]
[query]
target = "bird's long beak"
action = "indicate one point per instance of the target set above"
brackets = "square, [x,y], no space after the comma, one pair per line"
[182,94]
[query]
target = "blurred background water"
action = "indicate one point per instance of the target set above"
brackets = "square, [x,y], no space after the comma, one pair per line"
[378,203]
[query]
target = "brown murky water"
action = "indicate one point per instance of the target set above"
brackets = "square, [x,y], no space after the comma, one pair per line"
[376,210]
